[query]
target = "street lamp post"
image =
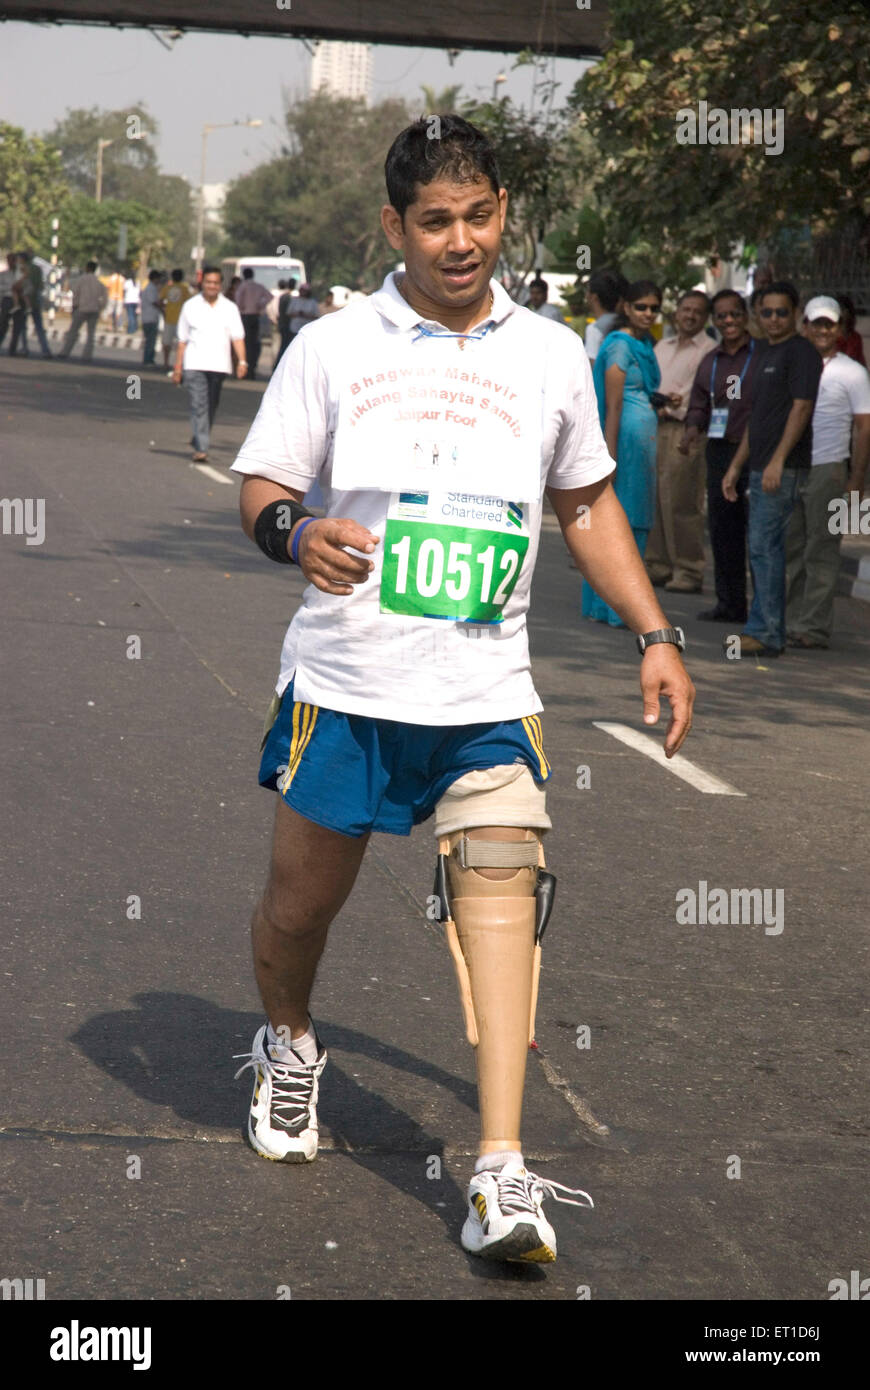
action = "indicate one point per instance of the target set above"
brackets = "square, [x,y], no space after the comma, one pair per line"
[200,214]
[496,84]
[101,145]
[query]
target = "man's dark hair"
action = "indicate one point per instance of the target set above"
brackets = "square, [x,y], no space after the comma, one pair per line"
[437,147]
[282,284]
[213,270]
[609,287]
[727,294]
[178,276]
[154,275]
[694,294]
[91,267]
[784,287]
[247,272]
[291,284]
[539,284]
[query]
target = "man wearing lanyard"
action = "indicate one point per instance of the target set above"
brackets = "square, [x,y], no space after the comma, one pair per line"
[777,443]
[719,407]
[405,686]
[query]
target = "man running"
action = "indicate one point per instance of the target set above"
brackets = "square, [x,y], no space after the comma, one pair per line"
[433,415]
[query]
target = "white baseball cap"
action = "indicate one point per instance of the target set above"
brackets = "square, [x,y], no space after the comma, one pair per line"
[823,307]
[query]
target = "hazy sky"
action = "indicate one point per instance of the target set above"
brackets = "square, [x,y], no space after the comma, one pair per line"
[209,78]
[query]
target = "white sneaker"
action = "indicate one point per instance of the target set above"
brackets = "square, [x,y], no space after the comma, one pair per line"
[505,1220]
[282,1123]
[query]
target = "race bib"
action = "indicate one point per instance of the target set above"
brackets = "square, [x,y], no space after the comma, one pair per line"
[452,555]
[718,422]
[430,421]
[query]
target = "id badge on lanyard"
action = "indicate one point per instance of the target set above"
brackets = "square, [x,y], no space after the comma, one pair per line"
[719,413]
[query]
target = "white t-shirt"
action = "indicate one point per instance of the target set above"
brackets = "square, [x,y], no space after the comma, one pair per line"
[844,391]
[208,330]
[362,653]
[131,292]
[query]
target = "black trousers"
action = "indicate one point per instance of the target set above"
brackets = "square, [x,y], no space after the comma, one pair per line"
[251,325]
[728,528]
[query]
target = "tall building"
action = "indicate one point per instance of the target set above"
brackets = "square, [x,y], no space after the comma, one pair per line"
[343,69]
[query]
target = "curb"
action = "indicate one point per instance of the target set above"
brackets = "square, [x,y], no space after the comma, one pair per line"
[105,338]
[854,579]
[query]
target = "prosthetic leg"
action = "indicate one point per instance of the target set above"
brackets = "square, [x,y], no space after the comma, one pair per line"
[495,899]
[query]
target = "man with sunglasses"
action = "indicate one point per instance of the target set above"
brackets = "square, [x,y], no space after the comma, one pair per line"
[719,408]
[778,443]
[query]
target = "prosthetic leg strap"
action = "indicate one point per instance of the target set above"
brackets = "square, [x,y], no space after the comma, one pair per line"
[498,854]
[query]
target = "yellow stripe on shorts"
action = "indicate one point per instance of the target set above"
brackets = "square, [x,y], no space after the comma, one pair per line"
[304,719]
[535,735]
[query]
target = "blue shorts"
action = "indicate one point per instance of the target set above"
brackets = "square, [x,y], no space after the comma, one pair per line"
[354,774]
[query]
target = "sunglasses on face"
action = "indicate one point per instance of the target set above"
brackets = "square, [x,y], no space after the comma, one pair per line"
[646,308]
[729,314]
[779,313]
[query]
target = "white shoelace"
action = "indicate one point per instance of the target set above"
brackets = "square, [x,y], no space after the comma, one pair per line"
[291,1086]
[517,1193]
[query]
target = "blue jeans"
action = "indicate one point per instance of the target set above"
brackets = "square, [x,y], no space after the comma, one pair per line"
[205,393]
[149,339]
[769,514]
[131,317]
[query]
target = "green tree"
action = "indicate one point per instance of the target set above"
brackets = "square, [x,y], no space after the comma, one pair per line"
[674,200]
[89,231]
[32,189]
[322,196]
[131,171]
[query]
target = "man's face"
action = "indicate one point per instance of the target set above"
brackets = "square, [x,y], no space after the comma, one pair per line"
[536,297]
[690,316]
[730,318]
[450,239]
[211,287]
[823,334]
[776,314]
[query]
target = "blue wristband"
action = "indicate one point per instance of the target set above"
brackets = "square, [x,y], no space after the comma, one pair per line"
[294,544]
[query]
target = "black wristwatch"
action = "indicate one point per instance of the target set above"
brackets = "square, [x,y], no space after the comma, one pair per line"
[662,634]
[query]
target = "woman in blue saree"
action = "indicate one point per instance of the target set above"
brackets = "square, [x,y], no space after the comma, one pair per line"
[626,374]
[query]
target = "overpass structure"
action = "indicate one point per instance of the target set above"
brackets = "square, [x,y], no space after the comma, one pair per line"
[560,27]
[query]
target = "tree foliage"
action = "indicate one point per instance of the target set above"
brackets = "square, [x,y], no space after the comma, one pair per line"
[131,174]
[809,62]
[32,189]
[89,231]
[322,196]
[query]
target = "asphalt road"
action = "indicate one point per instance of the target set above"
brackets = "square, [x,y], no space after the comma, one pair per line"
[135,779]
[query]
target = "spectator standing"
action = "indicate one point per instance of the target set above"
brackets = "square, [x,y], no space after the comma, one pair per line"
[150,317]
[252,300]
[173,297]
[21,293]
[841,425]
[604,291]
[719,408]
[777,443]
[115,287]
[7,298]
[36,282]
[537,302]
[626,375]
[208,326]
[675,550]
[285,303]
[132,298]
[90,297]
[303,309]
[849,341]
[231,292]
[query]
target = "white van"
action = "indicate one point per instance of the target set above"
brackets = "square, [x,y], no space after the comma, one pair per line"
[268,270]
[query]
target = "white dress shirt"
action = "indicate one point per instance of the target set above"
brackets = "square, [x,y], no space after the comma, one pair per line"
[208,330]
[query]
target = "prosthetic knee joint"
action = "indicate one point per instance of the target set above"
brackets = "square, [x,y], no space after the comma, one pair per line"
[494,929]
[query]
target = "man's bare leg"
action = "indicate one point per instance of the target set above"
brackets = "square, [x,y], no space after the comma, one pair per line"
[310,876]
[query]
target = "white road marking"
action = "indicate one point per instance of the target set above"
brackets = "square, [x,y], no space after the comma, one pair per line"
[681,767]
[212,473]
